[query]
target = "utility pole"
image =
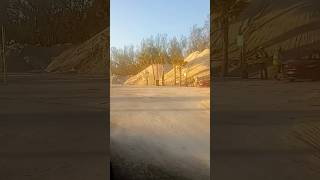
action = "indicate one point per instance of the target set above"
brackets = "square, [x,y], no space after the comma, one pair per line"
[3,53]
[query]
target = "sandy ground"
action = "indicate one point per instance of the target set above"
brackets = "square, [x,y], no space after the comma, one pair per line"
[252,123]
[160,133]
[53,127]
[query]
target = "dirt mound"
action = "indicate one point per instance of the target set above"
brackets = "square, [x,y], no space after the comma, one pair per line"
[140,78]
[88,58]
[192,56]
[198,64]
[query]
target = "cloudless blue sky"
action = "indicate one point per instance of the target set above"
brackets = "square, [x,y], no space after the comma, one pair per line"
[133,20]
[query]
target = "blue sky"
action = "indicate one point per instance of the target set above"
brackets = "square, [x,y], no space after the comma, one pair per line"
[133,20]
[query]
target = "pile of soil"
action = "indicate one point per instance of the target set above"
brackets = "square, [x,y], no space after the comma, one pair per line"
[140,78]
[89,57]
[197,64]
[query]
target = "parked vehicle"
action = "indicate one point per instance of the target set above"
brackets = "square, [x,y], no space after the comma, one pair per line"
[302,68]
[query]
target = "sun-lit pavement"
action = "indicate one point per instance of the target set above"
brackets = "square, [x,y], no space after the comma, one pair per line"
[160,132]
[53,127]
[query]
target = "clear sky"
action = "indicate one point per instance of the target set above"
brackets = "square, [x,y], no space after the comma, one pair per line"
[133,20]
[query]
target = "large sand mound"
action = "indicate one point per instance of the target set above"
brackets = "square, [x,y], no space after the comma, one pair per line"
[139,79]
[88,58]
[198,64]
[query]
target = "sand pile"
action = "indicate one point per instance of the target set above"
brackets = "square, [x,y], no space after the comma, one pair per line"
[198,64]
[192,56]
[140,78]
[89,57]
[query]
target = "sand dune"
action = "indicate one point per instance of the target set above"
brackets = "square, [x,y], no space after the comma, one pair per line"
[198,64]
[89,57]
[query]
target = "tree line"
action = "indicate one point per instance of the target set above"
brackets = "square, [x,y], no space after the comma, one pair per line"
[159,49]
[49,22]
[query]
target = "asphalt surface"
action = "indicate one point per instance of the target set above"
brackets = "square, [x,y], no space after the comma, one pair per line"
[53,127]
[252,130]
[160,133]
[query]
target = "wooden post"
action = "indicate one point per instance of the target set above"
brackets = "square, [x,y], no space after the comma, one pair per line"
[175,74]
[157,77]
[186,81]
[3,53]
[242,63]
[180,79]
[245,62]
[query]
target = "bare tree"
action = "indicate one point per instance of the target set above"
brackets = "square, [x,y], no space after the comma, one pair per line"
[175,53]
[199,38]
[226,11]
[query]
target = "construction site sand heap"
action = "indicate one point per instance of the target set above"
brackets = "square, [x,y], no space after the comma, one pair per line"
[140,78]
[197,65]
[87,58]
